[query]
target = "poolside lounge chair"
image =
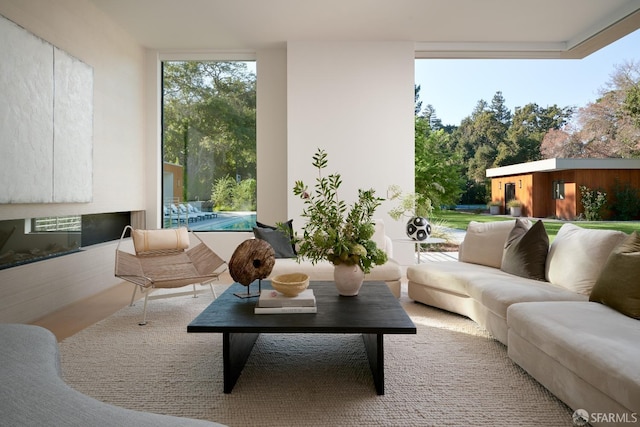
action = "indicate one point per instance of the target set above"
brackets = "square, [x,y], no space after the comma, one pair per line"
[207,215]
[191,217]
[169,215]
[182,218]
[201,216]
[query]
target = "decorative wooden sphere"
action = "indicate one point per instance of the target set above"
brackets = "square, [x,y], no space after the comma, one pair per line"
[253,259]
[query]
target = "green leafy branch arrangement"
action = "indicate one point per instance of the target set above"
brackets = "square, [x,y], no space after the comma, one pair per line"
[409,205]
[334,231]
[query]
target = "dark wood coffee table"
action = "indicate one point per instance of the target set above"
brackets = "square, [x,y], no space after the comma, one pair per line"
[373,313]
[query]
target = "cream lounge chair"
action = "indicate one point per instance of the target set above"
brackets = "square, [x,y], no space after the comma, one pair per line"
[164,259]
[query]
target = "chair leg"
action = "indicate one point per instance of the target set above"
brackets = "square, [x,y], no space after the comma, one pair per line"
[135,288]
[147,291]
[144,310]
[212,290]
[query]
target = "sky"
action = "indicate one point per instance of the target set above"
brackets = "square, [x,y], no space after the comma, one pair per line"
[454,86]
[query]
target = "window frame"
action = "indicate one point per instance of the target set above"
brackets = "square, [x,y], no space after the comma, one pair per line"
[558,190]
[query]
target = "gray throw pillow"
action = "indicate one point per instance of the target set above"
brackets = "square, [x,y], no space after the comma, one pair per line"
[618,286]
[288,224]
[280,243]
[525,251]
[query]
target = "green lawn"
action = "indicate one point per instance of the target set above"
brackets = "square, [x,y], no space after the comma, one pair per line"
[460,220]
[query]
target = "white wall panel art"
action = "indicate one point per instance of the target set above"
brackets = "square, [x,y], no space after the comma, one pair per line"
[46,121]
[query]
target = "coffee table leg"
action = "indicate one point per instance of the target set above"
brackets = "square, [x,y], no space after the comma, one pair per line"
[374,345]
[236,348]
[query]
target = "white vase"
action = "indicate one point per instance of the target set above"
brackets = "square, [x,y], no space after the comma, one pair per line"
[348,279]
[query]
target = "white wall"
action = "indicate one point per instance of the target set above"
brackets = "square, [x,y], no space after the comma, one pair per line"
[271,130]
[355,101]
[77,27]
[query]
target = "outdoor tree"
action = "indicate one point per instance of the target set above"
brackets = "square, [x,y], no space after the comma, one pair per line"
[528,127]
[478,138]
[608,126]
[437,172]
[631,103]
[561,143]
[437,169]
[416,100]
[499,109]
[209,119]
[600,128]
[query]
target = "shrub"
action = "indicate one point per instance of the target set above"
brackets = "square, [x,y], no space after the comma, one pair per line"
[592,201]
[222,193]
[229,195]
[627,205]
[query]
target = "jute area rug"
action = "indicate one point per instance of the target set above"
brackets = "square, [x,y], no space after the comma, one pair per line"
[452,373]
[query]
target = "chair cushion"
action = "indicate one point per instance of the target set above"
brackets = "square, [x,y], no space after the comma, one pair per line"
[618,286]
[525,251]
[484,242]
[577,256]
[158,240]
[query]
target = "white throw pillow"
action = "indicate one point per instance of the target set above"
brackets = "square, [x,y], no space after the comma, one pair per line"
[484,242]
[577,255]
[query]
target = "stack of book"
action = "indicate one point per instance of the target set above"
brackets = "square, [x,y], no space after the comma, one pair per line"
[274,302]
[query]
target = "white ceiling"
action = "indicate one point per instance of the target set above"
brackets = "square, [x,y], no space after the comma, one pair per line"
[439,28]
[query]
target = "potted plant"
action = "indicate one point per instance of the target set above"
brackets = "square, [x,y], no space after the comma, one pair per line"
[515,207]
[414,206]
[336,232]
[494,207]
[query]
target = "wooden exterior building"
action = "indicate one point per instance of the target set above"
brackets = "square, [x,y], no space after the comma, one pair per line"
[172,183]
[551,187]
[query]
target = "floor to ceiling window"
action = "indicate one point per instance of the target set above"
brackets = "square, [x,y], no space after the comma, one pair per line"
[209,145]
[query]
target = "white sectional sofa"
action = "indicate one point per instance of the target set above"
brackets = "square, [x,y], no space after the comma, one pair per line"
[586,353]
[390,272]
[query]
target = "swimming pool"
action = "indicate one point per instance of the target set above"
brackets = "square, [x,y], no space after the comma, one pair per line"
[226,221]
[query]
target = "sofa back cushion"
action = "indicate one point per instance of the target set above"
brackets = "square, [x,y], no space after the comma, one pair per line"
[484,242]
[618,286]
[577,256]
[525,251]
[379,236]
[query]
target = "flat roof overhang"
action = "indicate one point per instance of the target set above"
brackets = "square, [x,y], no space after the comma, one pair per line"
[550,165]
